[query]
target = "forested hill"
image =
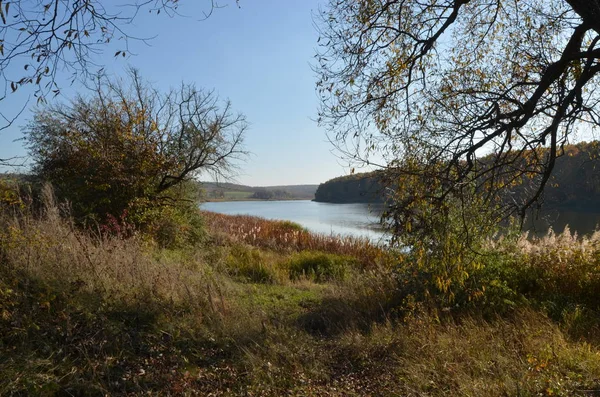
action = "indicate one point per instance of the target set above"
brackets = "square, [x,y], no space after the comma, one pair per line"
[575,183]
[356,188]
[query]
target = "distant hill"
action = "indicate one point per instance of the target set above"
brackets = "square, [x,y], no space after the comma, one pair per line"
[226,191]
[232,191]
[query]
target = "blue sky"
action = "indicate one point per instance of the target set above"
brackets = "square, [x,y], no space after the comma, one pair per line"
[259,56]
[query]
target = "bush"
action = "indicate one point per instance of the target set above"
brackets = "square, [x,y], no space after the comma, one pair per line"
[250,264]
[320,267]
[444,265]
[127,145]
[175,227]
[9,194]
[289,226]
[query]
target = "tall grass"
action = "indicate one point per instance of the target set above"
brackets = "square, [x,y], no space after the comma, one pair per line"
[552,265]
[87,313]
[45,245]
[524,354]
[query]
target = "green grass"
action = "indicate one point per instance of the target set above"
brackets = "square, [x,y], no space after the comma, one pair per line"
[237,195]
[278,304]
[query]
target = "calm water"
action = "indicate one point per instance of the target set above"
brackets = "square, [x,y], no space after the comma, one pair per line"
[348,219]
[362,219]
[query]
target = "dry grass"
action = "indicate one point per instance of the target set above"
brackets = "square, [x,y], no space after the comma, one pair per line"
[51,248]
[83,313]
[565,251]
[524,355]
[86,314]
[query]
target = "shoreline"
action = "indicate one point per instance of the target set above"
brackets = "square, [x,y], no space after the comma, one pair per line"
[252,199]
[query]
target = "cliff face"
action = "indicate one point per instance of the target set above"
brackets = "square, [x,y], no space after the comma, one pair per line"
[357,188]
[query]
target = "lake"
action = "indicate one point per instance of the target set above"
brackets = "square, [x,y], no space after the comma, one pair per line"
[349,219]
[362,219]
[582,222]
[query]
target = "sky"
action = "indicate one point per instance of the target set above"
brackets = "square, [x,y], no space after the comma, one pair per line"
[258,55]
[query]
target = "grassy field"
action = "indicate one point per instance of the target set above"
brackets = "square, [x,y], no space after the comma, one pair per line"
[237,195]
[264,308]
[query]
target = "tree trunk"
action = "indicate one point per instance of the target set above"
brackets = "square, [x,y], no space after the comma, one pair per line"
[589,11]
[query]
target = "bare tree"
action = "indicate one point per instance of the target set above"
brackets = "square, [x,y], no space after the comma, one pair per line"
[40,39]
[474,96]
[44,38]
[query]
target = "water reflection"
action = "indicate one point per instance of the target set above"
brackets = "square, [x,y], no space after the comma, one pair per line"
[581,222]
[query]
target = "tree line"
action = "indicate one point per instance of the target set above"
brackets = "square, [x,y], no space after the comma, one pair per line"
[574,184]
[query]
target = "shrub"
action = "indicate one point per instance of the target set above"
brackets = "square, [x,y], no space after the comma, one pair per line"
[9,194]
[445,260]
[127,145]
[320,267]
[174,227]
[250,264]
[288,226]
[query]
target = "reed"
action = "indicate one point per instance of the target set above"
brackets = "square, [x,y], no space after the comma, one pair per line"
[285,236]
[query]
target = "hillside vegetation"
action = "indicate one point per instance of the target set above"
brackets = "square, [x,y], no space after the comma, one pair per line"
[575,182]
